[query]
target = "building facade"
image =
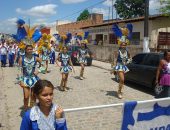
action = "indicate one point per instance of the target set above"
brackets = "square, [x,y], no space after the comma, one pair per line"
[103,34]
[75,27]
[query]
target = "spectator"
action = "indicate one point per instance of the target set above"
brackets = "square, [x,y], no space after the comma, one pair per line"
[95,42]
[44,115]
[163,73]
[3,52]
[11,54]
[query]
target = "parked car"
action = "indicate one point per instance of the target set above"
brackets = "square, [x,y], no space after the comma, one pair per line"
[73,51]
[143,70]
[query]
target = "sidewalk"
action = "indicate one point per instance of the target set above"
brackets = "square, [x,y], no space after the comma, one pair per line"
[101,64]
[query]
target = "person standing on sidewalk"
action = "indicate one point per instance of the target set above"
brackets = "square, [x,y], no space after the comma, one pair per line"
[11,55]
[82,57]
[3,53]
[163,73]
[65,67]
[123,57]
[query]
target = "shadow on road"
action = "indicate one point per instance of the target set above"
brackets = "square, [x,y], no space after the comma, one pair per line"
[59,88]
[111,93]
[77,77]
[140,87]
[137,87]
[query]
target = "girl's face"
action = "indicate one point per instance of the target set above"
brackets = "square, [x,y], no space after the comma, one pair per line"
[29,50]
[123,45]
[65,50]
[45,97]
[82,45]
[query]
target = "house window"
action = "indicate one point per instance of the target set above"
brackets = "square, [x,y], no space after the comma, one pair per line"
[135,38]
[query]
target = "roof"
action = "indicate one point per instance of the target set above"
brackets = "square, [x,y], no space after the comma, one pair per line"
[124,21]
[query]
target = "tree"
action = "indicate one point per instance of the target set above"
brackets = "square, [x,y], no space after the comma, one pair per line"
[130,8]
[84,15]
[165,9]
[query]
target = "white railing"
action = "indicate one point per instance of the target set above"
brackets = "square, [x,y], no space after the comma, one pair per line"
[111,105]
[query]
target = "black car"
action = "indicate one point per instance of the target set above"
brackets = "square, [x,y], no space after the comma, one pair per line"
[73,51]
[143,69]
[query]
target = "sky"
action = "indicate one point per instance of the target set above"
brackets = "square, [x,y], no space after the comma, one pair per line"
[47,12]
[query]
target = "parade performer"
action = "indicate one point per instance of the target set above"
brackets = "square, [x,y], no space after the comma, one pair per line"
[82,57]
[27,75]
[83,52]
[163,75]
[123,57]
[44,50]
[65,67]
[52,54]
[45,115]
[3,53]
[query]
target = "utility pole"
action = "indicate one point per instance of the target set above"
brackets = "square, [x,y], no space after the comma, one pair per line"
[112,9]
[146,28]
[108,27]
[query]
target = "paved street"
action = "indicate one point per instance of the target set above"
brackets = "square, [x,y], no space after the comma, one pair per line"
[98,88]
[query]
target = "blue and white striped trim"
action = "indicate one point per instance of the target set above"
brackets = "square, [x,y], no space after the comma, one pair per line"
[121,68]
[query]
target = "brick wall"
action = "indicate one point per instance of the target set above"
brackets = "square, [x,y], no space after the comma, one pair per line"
[75,26]
[45,30]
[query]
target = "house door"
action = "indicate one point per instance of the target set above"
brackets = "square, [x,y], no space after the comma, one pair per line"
[99,38]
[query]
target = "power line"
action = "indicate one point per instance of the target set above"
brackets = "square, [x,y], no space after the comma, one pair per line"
[82,10]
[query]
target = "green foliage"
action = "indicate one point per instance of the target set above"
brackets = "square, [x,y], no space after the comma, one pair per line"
[165,9]
[130,8]
[84,15]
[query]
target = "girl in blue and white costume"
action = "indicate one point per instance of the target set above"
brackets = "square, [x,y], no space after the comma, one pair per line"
[65,67]
[28,76]
[82,57]
[45,115]
[44,50]
[27,38]
[123,57]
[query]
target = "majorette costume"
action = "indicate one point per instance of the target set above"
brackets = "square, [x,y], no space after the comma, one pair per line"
[64,59]
[52,54]
[83,52]
[27,36]
[44,49]
[124,35]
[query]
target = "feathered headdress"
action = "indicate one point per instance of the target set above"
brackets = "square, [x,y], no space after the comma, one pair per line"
[44,42]
[83,37]
[124,34]
[26,35]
